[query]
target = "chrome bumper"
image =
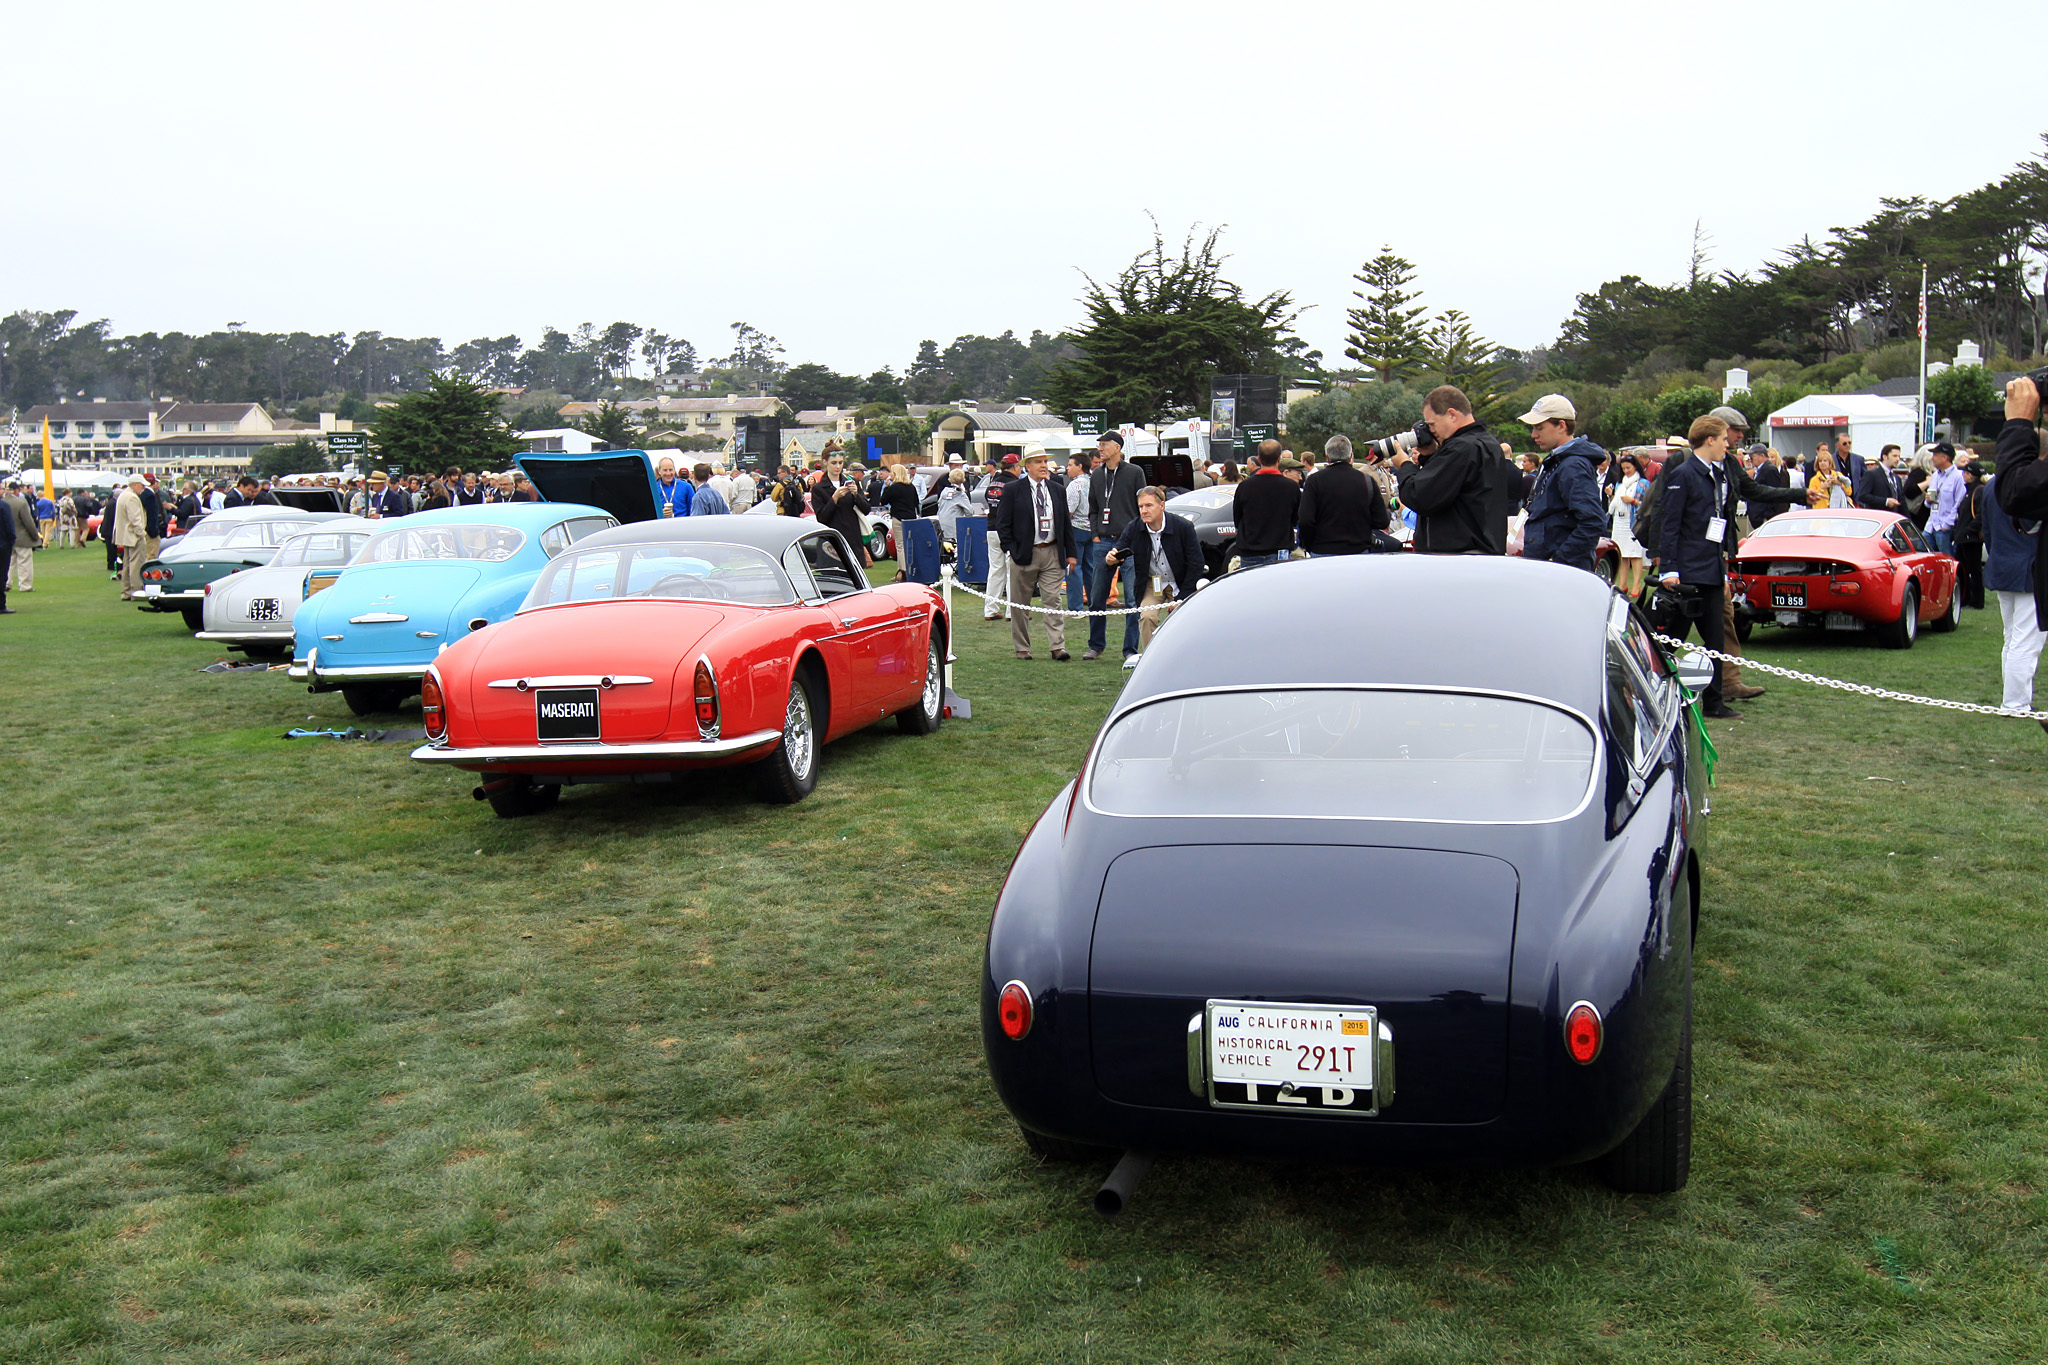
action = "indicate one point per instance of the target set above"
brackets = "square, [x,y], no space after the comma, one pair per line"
[583,753]
[320,676]
[153,592]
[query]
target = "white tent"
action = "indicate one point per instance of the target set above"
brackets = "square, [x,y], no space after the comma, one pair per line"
[1797,429]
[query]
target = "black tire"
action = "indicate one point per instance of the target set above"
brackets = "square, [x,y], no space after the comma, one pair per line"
[523,796]
[1656,1158]
[1059,1149]
[1953,617]
[791,773]
[195,616]
[282,651]
[1603,569]
[1901,633]
[362,701]
[1743,626]
[928,712]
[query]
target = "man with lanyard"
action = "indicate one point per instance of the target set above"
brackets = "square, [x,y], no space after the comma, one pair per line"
[1944,499]
[1112,506]
[468,493]
[1036,533]
[1165,556]
[672,496]
[1691,545]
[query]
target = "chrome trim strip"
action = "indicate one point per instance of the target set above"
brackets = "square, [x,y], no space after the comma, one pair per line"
[370,672]
[570,680]
[1383,1069]
[155,593]
[1198,1062]
[378,618]
[1592,782]
[233,635]
[575,753]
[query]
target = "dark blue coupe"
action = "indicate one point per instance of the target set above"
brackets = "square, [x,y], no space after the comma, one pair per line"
[1377,858]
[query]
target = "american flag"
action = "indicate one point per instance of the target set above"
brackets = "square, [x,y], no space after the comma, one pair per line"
[1923,312]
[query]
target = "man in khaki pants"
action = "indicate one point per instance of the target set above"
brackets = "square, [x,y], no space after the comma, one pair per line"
[131,535]
[1037,539]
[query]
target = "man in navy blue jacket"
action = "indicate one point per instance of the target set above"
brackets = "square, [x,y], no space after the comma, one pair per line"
[1165,555]
[1566,514]
[1693,528]
[2020,489]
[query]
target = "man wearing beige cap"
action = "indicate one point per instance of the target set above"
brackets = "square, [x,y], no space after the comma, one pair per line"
[1037,539]
[131,534]
[1566,517]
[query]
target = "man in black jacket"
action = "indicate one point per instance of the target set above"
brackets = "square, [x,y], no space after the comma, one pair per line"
[1340,507]
[2021,484]
[1112,506]
[1697,505]
[1263,511]
[1458,490]
[1165,558]
[1769,474]
[1038,540]
[1879,489]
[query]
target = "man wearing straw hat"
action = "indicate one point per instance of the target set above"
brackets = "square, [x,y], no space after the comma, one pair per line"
[1037,537]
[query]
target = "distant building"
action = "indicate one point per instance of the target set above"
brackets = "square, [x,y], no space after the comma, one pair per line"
[827,419]
[99,432]
[681,383]
[561,441]
[714,417]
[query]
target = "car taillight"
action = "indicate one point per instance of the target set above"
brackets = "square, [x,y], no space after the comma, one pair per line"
[431,711]
[1582,1032]
[704,695]
[1013,1010]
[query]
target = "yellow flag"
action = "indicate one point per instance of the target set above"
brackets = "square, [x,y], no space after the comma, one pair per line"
[49,486]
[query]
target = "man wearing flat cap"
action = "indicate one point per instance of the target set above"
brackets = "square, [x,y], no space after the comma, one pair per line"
[130,519]
[1037,539]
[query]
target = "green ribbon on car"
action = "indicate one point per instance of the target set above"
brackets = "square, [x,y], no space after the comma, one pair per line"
[1708,754]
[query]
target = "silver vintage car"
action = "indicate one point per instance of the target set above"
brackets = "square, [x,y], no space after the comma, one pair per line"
[252,610]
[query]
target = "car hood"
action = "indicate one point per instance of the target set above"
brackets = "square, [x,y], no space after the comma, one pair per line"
[1427,931]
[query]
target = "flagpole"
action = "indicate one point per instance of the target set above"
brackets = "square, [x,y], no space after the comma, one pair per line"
[1920,409]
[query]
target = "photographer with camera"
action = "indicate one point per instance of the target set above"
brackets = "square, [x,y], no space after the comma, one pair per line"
[1459,489]
[1566,513]
[1697,506]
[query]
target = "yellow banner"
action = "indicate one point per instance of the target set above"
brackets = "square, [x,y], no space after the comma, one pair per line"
[49,484]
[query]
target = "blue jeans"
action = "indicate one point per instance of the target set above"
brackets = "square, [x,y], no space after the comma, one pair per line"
[1260,561]
[1943,540]
[1098,598]
[1077,577]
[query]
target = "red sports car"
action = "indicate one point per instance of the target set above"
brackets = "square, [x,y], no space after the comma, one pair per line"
[1847,569]
[654,648]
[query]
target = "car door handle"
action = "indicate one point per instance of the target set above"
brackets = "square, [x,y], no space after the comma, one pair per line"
[847,620]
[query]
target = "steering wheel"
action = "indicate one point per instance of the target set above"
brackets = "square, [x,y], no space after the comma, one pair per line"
[690,585]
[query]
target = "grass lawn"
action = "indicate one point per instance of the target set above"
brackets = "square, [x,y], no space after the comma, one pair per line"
[306,1056]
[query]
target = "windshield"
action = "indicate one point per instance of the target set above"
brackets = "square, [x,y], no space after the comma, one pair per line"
[1835,528]
[1218,496]
[1385,755]
[319,547]
[443,542]
[697,571]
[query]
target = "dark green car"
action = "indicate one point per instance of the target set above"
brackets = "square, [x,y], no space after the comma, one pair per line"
[222,543]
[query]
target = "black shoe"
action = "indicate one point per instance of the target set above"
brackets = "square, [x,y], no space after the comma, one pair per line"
[7,611]
[1721,713]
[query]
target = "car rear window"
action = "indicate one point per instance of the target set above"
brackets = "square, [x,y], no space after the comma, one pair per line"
[1837,528]
[693,571]
[1345,753]
[443,542]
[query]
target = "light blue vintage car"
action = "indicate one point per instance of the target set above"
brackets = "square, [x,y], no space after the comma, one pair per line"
[421,582]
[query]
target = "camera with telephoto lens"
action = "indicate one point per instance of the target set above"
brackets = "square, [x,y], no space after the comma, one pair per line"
[1387,447]
[2040,378]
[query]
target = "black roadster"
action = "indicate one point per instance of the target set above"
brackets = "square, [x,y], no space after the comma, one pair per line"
[1379,859]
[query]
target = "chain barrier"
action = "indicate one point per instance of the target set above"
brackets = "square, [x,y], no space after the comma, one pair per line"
[1882,693]
[950,581]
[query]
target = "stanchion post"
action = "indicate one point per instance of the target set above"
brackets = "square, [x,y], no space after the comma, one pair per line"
[946,586]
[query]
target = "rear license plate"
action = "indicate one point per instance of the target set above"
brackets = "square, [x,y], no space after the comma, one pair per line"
[1788,618]
[263,609]
[1842,620]
[1291,1058]
[1788,595]
[565,713]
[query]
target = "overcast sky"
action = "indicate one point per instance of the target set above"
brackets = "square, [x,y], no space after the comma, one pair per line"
[853,178]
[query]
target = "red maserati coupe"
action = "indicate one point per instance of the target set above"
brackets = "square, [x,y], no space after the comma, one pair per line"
[658,647]
[1847,569]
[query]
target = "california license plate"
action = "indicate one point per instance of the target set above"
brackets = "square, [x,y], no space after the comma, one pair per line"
[565,713]
[1788,594]
[1291,1058]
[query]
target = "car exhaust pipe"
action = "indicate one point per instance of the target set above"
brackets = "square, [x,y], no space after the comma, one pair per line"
[491,788]
[1122,1183]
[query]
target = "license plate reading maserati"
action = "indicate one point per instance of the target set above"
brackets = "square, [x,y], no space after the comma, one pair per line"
[1291,1058]
[565,713]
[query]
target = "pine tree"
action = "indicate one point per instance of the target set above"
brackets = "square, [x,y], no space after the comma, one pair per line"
[1455,350]
[1386,335]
